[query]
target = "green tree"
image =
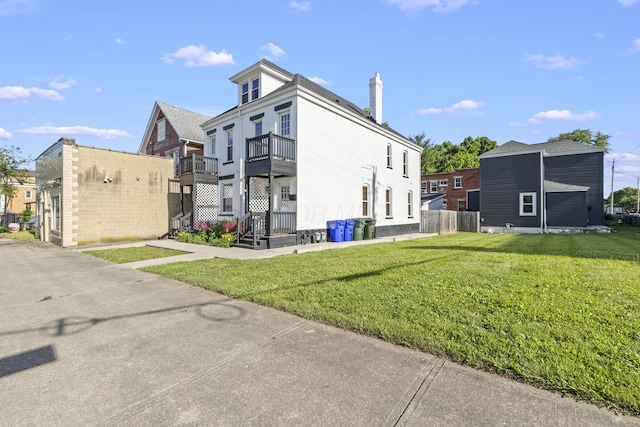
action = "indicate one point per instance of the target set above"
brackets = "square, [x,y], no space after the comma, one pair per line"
[585,136]
[425,158]
[626,198]
[12,170]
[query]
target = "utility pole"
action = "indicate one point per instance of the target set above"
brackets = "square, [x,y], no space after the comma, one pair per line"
[638,197]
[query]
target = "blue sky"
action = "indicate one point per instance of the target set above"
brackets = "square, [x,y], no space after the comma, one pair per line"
[521,70]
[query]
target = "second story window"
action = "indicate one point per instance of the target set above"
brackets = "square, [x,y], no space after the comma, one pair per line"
[423,186]
[457,182]
[229,145]
[389,160]
[443,183]
[433,186]
[285,124]
[162,130]
[257,125]
[212,145]
[27,194]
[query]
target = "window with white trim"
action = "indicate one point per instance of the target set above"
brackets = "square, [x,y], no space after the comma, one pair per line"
[255,88]
[443,183]
[389,159]
[387,203]
[257,126]
[162,130]
[528,204]
[365,200]
[245,92]
[229,145]
[227,198]
[176,163]
[457,182]
[423,186]
[55,213]
[212,145]
[285,124]
[410,204]
[28,194]
[434,186]
[405,164]
[285,196]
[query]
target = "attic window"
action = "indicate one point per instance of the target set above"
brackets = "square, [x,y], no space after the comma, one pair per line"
[162,130]
[255,90]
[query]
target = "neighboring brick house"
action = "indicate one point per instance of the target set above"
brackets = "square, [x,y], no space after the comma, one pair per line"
[460,188]
[173,132]
[24,198]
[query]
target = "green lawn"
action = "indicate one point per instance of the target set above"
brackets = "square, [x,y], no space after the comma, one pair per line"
[561,312]
[20,235]
[133,254]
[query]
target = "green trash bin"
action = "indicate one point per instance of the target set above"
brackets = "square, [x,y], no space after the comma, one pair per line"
[358,228]
[369,229]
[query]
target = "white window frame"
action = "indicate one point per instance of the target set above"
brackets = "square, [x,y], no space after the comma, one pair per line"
[443,183]
[284,123]
[257,124]
[55,213]
[161,130]
[523,204]
[424,185]
[28,194]
[410,204]
[212,145]
[255,88]
[389,157]
[433,186]
[388,203]
[405,164]
[457,182]
[229,145]
[176,162]
[244,94]
[227,198]
[365,199]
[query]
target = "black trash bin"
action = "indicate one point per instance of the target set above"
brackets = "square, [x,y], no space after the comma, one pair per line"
[369,229]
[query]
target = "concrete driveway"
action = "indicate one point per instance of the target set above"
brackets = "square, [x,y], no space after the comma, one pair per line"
[87,342]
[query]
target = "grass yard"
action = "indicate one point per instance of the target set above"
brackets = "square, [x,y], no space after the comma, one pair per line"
[133,254]
[561,312]
[20,235]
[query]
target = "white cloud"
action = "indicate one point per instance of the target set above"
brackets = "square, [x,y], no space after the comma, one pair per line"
[22,94]
[437,5]
[119,41]
[302,6]
[99,89]
[13,7]
[456,108]
[628,2]
[76,131]
[273,52]
[5,134]
[565,115]
[598,35]
[430,110]
[48,94]
[198,56]
[467,104]
[636,45]
[62,82]
[515,123]
[556,62]
[319,80]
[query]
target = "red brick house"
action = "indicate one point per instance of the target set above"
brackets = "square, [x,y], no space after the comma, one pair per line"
[460,187]
[173,132]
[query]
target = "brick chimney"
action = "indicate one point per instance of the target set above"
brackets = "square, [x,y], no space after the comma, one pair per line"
[375,97]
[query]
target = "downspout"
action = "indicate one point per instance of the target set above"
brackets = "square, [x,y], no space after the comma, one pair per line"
[543,195]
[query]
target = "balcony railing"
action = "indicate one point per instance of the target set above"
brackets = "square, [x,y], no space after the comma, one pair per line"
[198,164]
[271,146]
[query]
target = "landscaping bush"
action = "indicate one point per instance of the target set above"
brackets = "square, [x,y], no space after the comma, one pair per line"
[221,234]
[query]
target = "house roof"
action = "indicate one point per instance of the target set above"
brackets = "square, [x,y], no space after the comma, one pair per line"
[429,198]
[298,80]
[186,123]
[550,148]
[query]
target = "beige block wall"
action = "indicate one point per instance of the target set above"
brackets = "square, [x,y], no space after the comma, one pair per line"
[134,205]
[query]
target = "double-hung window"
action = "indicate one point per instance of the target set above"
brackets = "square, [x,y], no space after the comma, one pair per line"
[410,204]
[387,202]
[389,159]
[528,204]
[255,88]
[55,213]
[229,145]
[212,145]
[227,198]
[245,92]
[405,164]
[433,186]
[285,124]
[162,130]
[457,182]
[365,200]
[423,186]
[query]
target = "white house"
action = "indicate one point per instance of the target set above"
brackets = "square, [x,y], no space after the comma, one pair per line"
[292,155]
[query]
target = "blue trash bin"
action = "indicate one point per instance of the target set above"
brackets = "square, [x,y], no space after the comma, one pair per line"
[338,235]
[348,230]
[332,226]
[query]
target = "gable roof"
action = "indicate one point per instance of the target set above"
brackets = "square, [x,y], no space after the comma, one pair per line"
[186,123]
[550,148]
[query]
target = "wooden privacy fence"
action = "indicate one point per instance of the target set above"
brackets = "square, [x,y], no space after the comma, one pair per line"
[445,222]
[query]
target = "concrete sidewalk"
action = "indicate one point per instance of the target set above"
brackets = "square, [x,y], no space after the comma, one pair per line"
[196,252]
[87,342]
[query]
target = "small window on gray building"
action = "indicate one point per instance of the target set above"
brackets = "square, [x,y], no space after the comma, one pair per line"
[528,204]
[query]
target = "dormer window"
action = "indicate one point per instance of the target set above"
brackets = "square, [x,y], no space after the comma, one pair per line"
[255,90]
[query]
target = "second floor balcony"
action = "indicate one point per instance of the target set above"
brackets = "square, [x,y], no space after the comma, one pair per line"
[196,167]
[270,154]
